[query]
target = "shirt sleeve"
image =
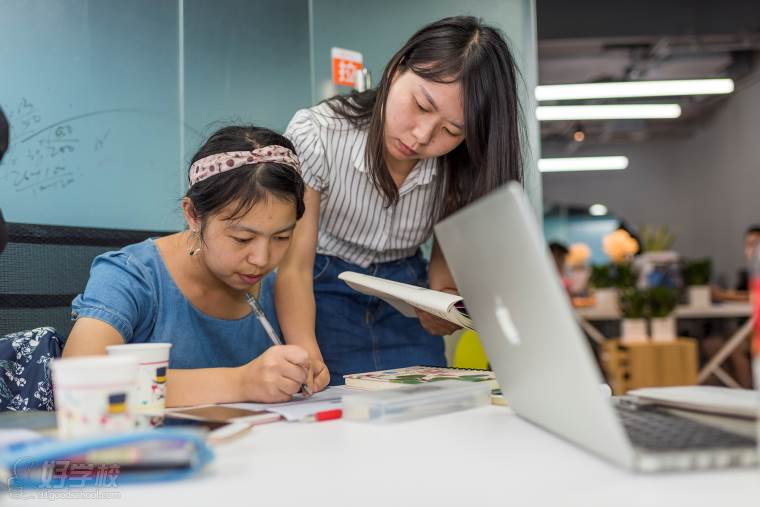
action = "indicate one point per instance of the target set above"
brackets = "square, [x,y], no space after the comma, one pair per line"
[303,132]
[119,293]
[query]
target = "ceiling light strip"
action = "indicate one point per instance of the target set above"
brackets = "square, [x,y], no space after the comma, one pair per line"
[627,89]
[550,165]
[608,112]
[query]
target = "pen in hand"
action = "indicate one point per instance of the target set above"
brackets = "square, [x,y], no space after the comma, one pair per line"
[259,312]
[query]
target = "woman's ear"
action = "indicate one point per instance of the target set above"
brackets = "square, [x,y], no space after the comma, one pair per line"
[188,212]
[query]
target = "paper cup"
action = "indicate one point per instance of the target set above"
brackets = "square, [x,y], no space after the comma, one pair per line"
[153,363]
[94,395]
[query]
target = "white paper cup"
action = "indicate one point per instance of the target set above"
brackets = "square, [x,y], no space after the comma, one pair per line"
[94,394]
[153,363]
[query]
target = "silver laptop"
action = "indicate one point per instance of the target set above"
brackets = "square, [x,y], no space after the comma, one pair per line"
[542,360]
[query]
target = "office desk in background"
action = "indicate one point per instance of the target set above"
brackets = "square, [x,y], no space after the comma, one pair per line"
[683,312]
[481,457]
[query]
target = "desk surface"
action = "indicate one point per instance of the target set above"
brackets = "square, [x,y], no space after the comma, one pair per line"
[487,456]
[716,311]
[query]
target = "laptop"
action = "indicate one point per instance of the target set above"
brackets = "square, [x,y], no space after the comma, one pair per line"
[542,360]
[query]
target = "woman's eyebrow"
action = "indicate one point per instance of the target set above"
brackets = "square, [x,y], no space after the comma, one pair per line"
[435,107]
[254,231]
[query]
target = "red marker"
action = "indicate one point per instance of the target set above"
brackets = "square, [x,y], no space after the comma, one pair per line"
[324,415]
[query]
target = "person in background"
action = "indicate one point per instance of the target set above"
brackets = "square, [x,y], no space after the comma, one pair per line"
[741,290]
[189,289]
[559,252]
[4,140]
[382,166]
[717,331]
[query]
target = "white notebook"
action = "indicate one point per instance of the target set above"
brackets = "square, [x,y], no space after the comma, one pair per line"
[710,399]
[405,298]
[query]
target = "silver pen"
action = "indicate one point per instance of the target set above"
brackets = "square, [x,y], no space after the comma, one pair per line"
[259,312]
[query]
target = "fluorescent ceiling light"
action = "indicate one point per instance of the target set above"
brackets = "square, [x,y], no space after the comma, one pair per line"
[597,210]
[608,112]
[551,165]
[634,89]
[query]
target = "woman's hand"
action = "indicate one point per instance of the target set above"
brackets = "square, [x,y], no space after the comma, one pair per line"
[440,279]
[435,325]
[276,375]
[319,375]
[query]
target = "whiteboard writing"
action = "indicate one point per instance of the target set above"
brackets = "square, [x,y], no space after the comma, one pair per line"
[44,156]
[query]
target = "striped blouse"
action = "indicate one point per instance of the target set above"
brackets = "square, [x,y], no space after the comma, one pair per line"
[354,223]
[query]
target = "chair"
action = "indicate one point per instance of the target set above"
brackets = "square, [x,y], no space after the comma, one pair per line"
[45,266]
[469,353]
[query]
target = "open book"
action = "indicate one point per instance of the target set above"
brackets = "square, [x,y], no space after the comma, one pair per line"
[405,298]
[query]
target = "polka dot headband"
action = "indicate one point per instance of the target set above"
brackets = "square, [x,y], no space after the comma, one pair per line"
[221,162]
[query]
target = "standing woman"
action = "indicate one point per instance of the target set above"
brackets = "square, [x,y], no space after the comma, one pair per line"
[381,168]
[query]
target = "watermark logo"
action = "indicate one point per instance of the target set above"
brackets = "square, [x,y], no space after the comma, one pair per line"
[64,479]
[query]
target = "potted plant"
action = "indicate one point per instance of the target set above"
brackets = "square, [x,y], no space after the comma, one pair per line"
[624,275]
[662,302]
[658,264]
[609,280]
[604,291]
[657,239]
[633,305]
[696,275]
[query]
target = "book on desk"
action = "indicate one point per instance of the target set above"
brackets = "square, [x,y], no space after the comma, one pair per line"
[416,375]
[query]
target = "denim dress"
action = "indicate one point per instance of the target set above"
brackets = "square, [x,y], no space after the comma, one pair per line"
[358,333]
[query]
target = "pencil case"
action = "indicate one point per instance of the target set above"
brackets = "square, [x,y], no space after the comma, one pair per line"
[415,401]
[109,460]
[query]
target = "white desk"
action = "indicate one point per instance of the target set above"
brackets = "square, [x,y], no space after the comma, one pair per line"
[716,311]
[481,457]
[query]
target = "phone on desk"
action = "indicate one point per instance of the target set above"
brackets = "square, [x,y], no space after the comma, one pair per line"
[222,423]
[221,414]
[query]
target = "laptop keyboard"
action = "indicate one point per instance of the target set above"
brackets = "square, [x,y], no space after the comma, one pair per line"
[658,430]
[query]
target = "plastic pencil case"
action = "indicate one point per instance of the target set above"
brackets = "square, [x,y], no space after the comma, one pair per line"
[415,401]
[24,466]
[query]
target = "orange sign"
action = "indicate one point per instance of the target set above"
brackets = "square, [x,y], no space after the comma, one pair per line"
[345,63]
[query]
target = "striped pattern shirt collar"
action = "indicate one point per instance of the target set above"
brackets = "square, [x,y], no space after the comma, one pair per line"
[423,172]
[354,223]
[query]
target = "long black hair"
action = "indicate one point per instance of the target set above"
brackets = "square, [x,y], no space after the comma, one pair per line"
[247,184]
[456,49]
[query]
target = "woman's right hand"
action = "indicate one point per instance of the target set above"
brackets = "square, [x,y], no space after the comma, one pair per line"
[276,375]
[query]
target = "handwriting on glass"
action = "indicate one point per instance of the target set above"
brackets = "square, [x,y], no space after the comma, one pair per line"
[42,156]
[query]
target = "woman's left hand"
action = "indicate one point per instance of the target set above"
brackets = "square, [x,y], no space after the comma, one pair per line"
[435,325]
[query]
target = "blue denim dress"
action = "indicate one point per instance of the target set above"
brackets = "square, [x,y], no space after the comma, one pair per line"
[358,333]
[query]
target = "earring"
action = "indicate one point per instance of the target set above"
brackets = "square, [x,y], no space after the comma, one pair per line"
[193,251]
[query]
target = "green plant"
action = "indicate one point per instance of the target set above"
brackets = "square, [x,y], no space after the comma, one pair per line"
[657,239]
[625,276]
[696,271]
[613,275]
[662,301]
[633,303]
[601,276]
